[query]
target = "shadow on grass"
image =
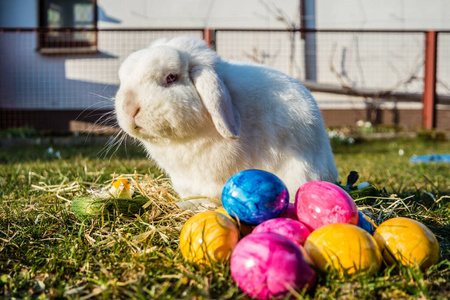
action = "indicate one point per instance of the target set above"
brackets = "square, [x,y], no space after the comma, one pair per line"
[20,154]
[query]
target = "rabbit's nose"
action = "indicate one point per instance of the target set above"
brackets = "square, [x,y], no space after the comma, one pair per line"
[132,110]
[136,112]
[130,106]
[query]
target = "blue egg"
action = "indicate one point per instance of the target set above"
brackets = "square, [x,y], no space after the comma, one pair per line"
[254,196]
[365,224]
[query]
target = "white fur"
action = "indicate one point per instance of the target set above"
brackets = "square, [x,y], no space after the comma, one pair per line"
[220,118]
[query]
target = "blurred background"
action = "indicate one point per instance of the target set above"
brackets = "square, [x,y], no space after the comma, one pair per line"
[382,63]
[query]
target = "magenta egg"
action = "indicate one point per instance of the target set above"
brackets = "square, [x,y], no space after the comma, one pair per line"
[266,265]
[290,212]
[294,230]
[320,203]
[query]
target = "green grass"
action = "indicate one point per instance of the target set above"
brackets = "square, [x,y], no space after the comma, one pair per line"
[46,252]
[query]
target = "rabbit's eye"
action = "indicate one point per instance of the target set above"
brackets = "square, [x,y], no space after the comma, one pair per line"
[171,78]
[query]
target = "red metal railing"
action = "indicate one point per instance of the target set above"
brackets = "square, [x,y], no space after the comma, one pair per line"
[429,93]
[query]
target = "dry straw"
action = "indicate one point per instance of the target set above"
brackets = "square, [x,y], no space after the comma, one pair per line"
[153,196]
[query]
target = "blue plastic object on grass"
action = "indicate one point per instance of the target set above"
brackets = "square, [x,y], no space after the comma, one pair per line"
[444,158]
[365,224]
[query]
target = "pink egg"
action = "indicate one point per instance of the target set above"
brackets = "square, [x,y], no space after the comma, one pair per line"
[294,230]
[290,212]
[266,265]
[321,203]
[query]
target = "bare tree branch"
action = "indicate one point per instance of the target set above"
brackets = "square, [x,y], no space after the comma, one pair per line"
[373,101]
[343,78]
[289,24]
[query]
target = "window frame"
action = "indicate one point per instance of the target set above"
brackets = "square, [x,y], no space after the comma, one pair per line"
[71,45]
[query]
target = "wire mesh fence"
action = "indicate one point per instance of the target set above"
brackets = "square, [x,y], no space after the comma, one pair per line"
[443,67]
[376,60]
[352,71]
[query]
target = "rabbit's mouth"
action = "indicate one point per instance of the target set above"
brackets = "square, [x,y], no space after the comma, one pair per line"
[145,136]
[138,129]
[142,135]
[140,132]
[151,134]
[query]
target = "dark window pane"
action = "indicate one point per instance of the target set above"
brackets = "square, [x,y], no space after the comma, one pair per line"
[78,14]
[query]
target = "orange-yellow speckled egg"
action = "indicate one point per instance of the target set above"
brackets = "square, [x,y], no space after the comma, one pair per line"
[345,248]
[208,237]
[407,242]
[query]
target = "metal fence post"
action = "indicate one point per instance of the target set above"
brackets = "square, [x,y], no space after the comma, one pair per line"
[308,23]
[429,92]
[209,35]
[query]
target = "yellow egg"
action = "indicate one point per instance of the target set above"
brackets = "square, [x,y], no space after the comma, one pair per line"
[407,242]
[208,237]
[345,248]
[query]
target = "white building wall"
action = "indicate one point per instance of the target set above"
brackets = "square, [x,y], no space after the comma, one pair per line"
[29,80]
[197,13]
[377,60]
[383,14]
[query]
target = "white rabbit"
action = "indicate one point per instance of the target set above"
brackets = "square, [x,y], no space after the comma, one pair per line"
[203,119]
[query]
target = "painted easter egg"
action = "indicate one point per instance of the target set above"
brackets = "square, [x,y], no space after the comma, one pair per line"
[294,230]
[366,223]
[407,242]
[343,249]
[266,265]
[321,203]
[254,196]
[208,237]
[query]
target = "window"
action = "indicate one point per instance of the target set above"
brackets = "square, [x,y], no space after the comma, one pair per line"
[67,26]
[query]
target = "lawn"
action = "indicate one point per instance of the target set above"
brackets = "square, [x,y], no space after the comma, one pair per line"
[46,252]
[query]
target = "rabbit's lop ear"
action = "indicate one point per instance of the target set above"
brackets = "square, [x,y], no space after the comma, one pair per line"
[217,101]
